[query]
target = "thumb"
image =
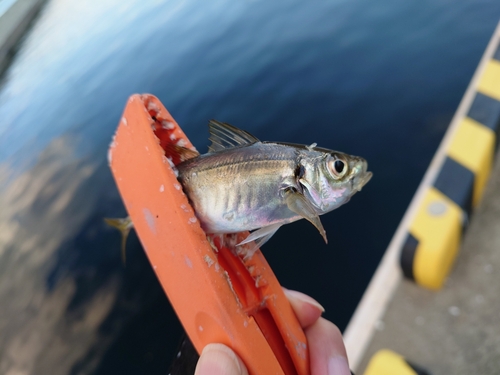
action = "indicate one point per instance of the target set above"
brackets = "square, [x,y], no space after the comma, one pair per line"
[218,359]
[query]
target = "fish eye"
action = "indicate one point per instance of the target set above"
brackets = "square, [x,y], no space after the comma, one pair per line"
[337,168]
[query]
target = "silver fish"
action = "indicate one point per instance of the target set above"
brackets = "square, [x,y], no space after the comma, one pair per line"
[244,184]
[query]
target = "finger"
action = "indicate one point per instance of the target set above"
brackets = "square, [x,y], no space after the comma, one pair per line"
[218,359]
[307,309]
[326,349]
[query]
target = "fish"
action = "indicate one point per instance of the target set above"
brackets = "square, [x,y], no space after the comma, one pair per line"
[244,184]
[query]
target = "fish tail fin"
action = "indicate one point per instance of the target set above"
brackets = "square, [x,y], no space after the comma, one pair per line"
[123,225]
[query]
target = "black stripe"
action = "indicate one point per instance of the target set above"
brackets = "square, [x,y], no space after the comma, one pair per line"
[408,255]
[418,370]
[486,111]
[457,183]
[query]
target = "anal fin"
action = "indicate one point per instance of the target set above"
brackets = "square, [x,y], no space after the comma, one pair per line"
[259,237]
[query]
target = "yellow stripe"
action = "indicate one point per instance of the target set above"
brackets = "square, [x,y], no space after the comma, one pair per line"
[489,84]
[473,146]
[386,362]
[438,227]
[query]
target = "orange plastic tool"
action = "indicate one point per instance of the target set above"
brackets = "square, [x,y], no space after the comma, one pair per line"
[218,296]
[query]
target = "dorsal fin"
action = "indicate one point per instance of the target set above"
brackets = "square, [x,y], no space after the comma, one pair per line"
[225,136]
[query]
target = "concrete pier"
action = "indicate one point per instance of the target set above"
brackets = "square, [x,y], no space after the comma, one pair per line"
[15,18]
[454,328]
[457,329]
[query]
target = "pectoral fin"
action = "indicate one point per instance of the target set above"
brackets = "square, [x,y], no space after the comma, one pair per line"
[123,225]
[297,203]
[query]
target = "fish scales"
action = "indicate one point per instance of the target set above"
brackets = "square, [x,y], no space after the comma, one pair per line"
[240,189]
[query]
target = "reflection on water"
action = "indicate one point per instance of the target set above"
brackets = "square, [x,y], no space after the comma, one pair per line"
[39,214]
[65,295]
[379,80]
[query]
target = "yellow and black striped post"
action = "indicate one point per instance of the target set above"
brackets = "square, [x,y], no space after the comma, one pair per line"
[387,362]
[436,229]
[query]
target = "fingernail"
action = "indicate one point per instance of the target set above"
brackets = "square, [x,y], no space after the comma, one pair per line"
[218,359]
[304,298]
[338,366]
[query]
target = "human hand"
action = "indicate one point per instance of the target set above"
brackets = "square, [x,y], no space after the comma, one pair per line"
[326,349]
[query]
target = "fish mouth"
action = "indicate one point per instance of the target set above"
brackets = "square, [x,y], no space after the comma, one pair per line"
[360,175]
[363,180]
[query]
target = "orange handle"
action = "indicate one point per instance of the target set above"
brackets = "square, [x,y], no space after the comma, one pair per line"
[218,296]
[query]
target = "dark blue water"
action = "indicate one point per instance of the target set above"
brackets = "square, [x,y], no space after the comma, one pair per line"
[377,79]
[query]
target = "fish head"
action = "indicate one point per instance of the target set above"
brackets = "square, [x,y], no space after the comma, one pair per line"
[333,178]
